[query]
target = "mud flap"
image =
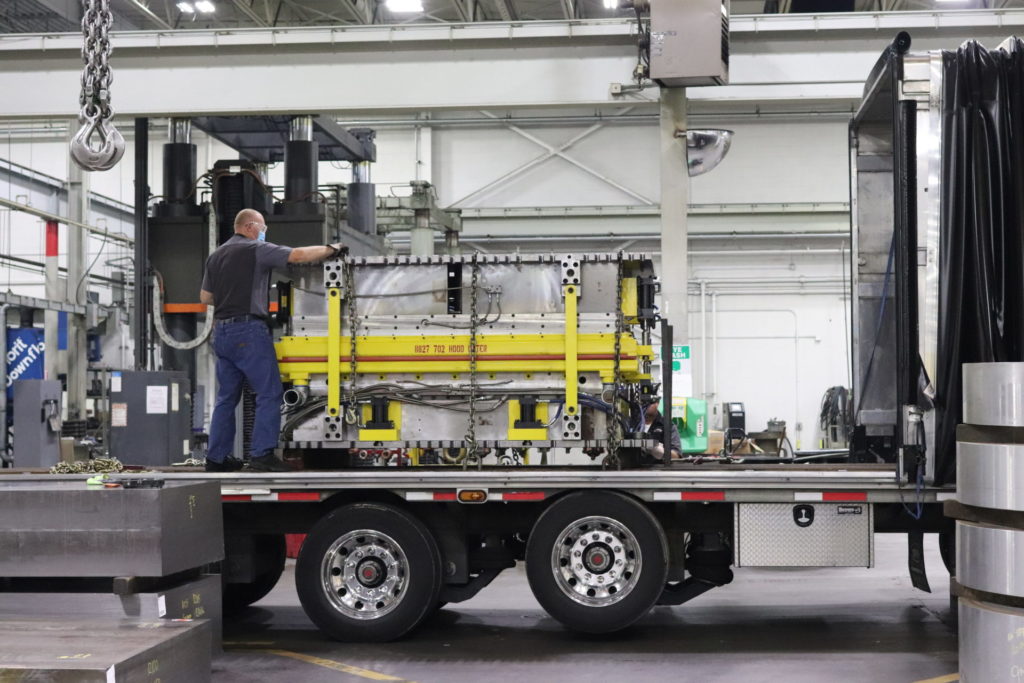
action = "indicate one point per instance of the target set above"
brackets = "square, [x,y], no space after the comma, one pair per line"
[915,561]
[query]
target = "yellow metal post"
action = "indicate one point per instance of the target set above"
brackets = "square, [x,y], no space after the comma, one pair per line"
[334,351]
[571,292]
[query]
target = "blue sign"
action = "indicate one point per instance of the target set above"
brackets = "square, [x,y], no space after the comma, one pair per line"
[24,356]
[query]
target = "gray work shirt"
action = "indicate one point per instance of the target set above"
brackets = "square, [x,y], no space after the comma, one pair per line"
[238,276]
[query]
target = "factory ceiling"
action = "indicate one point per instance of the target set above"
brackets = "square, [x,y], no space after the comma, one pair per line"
[53,16]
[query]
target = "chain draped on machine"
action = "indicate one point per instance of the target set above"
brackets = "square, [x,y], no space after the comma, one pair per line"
[351,415]
[97,146]
[474,322]
[614,435]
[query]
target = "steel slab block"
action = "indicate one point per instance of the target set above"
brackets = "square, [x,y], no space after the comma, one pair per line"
[990,475]
[103,650]
[989,558]
[64,528]
[991,643]
[994,394]
[199,599]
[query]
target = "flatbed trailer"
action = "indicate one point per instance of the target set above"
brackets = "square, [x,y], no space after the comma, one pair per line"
[386,547]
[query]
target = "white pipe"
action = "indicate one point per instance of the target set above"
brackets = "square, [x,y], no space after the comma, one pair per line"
[714,345]
[703,339]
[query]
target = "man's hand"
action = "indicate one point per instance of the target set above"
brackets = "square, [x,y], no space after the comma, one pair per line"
[206,297]
[316,254]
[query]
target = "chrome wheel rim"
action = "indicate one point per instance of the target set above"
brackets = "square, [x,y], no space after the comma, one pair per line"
[596,561]
[365,574]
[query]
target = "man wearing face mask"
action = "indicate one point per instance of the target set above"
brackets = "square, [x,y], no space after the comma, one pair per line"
[237,285]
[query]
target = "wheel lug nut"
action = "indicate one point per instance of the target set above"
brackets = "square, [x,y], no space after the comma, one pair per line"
[577,554]
[607,539]
[596,536]
[600,579]
[618,548]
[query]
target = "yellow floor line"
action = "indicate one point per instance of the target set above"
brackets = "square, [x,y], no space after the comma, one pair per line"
[950,678]
[334,666]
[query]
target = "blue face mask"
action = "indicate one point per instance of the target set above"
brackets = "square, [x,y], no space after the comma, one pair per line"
[262,237]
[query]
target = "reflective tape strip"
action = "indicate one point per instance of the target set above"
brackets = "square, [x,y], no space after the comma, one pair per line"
[447,496]
[310,496]
[830,496]
[286,496]
[689,496]
[702,495]
[522,495]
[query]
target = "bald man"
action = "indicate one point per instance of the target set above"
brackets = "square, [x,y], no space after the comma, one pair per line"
[237,285]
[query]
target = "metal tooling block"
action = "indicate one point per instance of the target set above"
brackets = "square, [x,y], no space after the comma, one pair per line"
[103,650]
[67,529]
[199,599]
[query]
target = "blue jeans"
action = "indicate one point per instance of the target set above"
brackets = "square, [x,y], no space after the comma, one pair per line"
[245,351]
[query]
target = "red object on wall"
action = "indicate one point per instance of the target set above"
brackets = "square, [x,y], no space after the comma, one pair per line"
[51,238]
[292,543]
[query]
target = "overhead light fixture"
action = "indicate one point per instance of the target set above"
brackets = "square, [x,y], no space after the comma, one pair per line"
[205,6]
[611,4]
[705,149]
[405,5]
[186,7]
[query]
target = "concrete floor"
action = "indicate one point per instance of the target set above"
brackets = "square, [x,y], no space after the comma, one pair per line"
[797,626]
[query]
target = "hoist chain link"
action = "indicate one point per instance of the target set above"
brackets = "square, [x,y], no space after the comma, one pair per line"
[351,414]
[614,435]
[474,322]
[97,146]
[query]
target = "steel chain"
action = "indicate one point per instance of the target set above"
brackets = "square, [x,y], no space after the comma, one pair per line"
[97,146]
[351,414]
[614,440]
[471,449]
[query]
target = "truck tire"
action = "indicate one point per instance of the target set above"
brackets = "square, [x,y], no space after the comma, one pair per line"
[271,554]
[597,561]
[368,572]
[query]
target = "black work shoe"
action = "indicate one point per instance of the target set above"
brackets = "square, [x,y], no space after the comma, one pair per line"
[268,463]
[228,465]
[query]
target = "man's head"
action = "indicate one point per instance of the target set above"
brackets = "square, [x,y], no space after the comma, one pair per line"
[250,223]
[651,413]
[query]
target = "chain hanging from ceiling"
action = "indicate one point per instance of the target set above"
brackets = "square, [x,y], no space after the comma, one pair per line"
[97,146]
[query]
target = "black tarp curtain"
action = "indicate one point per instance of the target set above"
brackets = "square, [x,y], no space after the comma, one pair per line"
[981,268]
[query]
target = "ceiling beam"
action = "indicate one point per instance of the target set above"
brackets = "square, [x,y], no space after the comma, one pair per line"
[506,10]
[150,14]
[353,11]
[460,10]
[250,13]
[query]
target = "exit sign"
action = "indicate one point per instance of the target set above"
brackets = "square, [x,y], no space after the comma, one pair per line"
[680,353]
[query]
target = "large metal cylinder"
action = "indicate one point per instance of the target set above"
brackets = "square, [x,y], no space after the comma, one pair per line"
[300,170]
[991,643]
[179,179]
[990,533]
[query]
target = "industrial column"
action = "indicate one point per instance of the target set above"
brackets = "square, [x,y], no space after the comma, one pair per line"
[675,195]
[77,286]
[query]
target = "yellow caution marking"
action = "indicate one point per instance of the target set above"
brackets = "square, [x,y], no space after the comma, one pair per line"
[335,666]
[949,678]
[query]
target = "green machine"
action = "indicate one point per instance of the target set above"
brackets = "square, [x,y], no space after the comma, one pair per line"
[690,416]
